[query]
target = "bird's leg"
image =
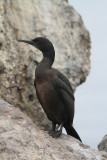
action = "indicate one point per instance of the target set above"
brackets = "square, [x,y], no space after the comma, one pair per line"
[53,127]
[55,133]
[61,126]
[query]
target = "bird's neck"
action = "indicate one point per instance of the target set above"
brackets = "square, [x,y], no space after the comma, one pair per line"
[45,63]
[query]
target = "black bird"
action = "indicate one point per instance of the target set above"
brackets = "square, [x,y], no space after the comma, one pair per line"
[53,90]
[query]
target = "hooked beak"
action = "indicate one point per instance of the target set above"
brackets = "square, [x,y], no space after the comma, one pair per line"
[29,42]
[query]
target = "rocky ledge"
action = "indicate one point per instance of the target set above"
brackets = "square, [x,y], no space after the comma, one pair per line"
[21,139]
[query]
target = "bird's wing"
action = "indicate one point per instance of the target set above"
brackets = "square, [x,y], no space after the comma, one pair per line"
[66,95]
[64,79]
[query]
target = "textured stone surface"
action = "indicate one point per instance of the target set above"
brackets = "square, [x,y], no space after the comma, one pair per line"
[103,144]
[20,139]
[55,20]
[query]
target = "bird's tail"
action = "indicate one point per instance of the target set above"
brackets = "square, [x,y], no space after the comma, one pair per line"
[71,131]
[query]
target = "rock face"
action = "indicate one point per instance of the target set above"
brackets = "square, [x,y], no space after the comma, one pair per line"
[103,144]
[20,139]
[55,20]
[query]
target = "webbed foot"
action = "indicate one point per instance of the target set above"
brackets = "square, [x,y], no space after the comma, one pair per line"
[55,134]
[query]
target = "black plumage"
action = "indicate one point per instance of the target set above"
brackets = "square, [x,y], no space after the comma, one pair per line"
[53,90]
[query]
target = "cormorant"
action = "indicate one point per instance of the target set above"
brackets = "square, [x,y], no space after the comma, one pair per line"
[53,89]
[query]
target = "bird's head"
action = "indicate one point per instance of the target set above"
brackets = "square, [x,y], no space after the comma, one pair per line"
[43,44]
